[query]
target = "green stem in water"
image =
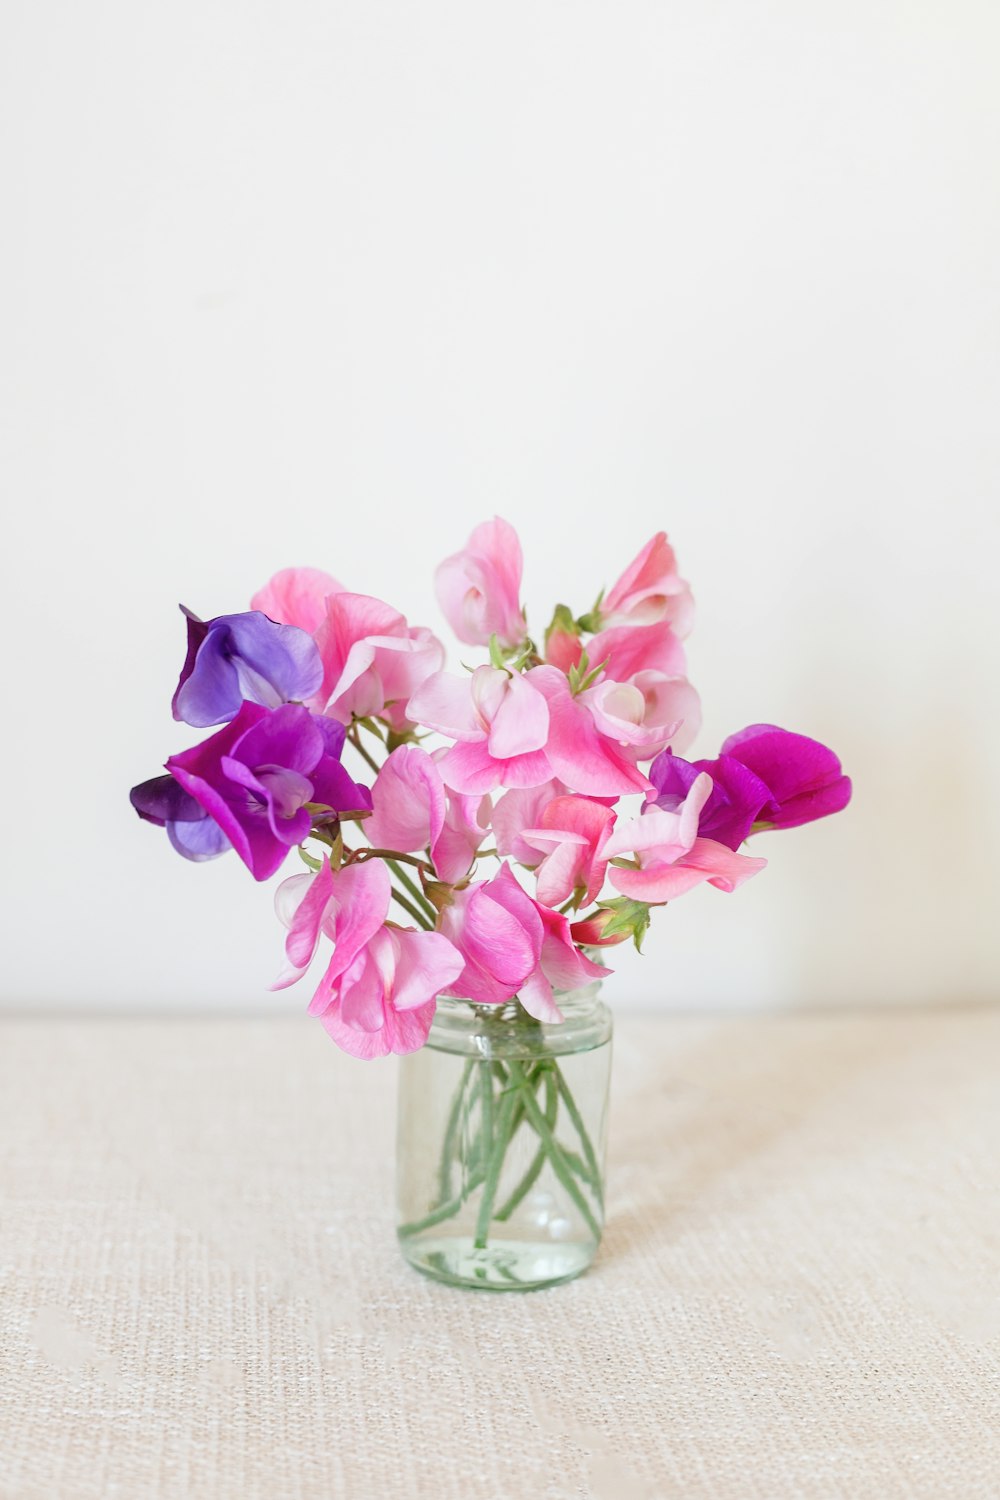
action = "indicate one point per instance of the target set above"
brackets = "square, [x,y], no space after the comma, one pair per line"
[588,1147]
[531,1176]
[553,1150]
[448,1147]
[501,1140]
[444,1211]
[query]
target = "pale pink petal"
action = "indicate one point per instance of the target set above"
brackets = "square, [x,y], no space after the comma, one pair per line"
[478,588]
[304,929]
[470,768]
[721,866]
[427,963]
[296,596]
[362,893]
[467,820]
[408,803]
[444,702]
[563,869]
[519,809]
[626,650]
[650,588]
[521,722]
[362,994]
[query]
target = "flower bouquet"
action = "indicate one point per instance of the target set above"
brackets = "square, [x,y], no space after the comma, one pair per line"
[458,871]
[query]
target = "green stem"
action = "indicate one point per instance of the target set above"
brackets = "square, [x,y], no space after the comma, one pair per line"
[531,1176]
[494,1168]
[552,1148]
[411,885]
[443,1211]
[417,915]
[447,1149]
[355,740]
[588,1148]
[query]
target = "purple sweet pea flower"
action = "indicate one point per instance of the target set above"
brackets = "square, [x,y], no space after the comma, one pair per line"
[243,658]
[764,777]
[163,801]
[256,774]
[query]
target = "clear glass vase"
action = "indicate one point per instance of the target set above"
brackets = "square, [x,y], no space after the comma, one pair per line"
[501,1140]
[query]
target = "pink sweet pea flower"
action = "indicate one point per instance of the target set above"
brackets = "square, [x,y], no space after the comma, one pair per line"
[517,810]
[348,907]
[372,660]
[297,596]
[412,811]
[571,831]
[672,858]
[578,752]
[511,945]
[650,590]
[501,723]
[647,714]
[385,1000]
[479,588]
[626,650]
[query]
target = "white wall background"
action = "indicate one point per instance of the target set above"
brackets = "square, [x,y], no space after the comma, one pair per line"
[329,282]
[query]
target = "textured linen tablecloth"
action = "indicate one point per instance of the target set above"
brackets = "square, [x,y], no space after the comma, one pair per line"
[200,1293]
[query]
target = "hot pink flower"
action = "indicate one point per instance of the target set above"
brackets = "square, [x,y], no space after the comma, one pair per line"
[372,660]
[297,596]
[672,858]
[511,946]
[650,589]
[411,811]
[571,831]
[578,752]
[479,588]
[501,723]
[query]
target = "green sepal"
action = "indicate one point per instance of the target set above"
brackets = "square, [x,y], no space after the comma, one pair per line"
[629,917]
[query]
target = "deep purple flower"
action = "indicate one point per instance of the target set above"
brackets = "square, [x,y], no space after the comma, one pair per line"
[243,658]
[256,774]
[764,777]
[163,801]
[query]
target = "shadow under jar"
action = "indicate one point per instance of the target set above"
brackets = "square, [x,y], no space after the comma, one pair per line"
[501,1144]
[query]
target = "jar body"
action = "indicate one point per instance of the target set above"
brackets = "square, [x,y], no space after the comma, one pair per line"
[501,1144]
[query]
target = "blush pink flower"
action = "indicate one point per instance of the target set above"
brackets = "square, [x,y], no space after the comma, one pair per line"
[380,988]
[385,1000]
[645,715]
[650,589]
[412,811]
[373,661]
[500,722]
[479,588]
[511,945]
[516,810]
[571,831]
[672,859]
[297,596]
[348,907]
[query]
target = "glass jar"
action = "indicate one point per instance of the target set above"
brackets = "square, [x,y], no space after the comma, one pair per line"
[501,1141]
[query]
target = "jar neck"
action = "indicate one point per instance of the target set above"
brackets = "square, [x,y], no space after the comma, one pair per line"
[508,1030]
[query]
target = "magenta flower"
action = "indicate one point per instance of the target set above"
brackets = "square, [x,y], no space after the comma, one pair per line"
[237,658]
[511,945]
[764,777]
[297,596]
[479,588]
[373,661]
[670,857]
[255,776]
[164,802]
[649,590]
